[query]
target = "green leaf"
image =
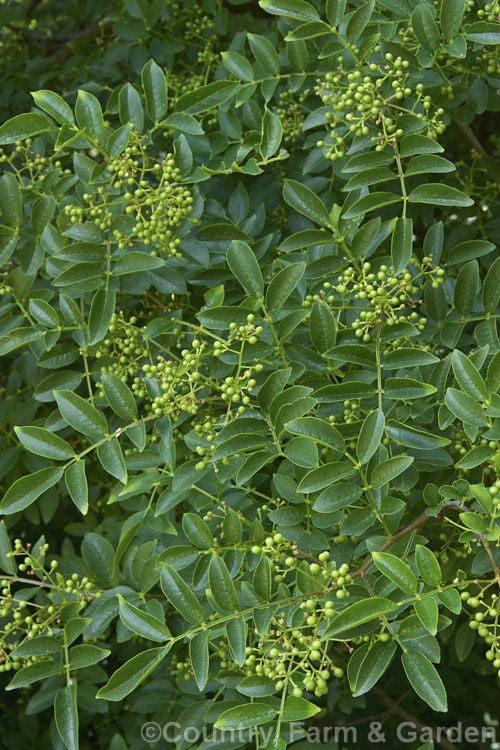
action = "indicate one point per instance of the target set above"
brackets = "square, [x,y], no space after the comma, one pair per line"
[356,353]
[370,202]
[306,202]
[412,438]
[197,531]
[357,614]
[7,564]
[24,491]
[416,143]
[272,132]
[373,665]
[264,52]
[370,436]
[111,459]
[236,630]
[298,709]
[85,655]
[475,457]
[451,15]
[298,9]
[358,21]
[406,389]
[88,114]
[372,176]
[200,658]
[256,686]
[322,327]
[33,673]
[466,288]
[464,407]
[132,673]
[308,30]
[318,430]
[491,286]
[180,595]
[451,600]
[82,416]
[44,443]
[408,357]
[237,65]
[136,262]
[66,715]
[273,385]
[232,527]
[424,679]
[206,97]
[43,313]
[244,266]
[222,585]
[119,395]
[427,612]
[396,571]
[482,33]
[246,715]
[11,201]
[54,105]
[439,195]
[262,578]
[467,376]
[425,28]
[142,623]
[401,244]
[323,476]
[77,485]
[337,496]
[335,10]
[282,285]
[131,107]
[186,123]
[154,85]
[24,126]
[426,163]
[388,470]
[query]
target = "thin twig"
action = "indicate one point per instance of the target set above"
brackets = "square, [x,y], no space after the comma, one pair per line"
[396,708]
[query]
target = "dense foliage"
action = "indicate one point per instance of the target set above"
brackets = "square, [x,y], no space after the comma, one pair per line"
[251,369]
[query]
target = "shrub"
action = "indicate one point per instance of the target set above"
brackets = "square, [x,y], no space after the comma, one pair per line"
[250,406]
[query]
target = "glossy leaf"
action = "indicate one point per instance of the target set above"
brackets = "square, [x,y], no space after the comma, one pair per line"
[306,202]
[24,491]
[132,673]
[370,436]
[42,442]
[396,570]
[425,680]
[180,595]
[244,266]
[81,415]
[154,85]
[388,470]
[142,623]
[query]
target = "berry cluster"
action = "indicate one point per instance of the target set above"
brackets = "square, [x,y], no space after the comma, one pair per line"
[158,206]
[22,619]
[372,104]
[291,112]
[123,349]
[485,621]
[173,385]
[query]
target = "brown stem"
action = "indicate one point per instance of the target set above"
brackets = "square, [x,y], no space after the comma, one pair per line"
[470,135]
[419,521]
[396,708]
[492,559]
